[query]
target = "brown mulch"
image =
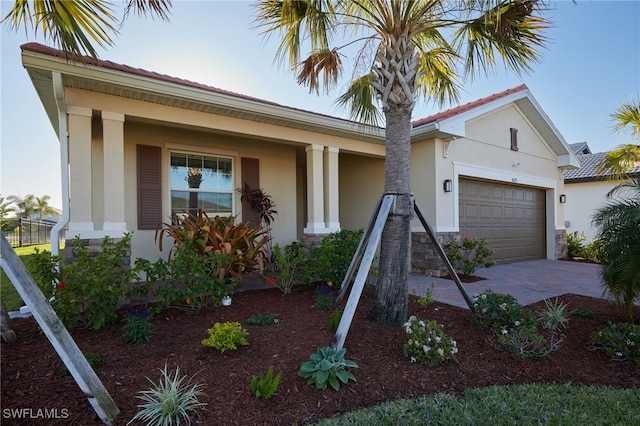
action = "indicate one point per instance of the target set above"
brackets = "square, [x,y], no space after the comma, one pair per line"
[31,370]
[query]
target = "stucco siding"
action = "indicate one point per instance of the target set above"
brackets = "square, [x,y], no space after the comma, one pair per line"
[361,186]
[583,199]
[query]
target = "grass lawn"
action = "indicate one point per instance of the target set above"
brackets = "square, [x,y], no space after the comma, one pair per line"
[530,404]
[10,296]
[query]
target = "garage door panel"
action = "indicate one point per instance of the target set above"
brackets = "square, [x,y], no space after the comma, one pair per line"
[510,217]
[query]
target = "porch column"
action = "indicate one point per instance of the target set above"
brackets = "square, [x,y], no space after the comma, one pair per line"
[331,189]
[80,185]
[315,190]
[113,149]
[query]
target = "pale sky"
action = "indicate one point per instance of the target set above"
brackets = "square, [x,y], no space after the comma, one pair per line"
[590,67]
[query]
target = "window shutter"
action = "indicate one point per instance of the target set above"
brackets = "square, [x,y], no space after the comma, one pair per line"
[514,139]
[149,186]
[250,177]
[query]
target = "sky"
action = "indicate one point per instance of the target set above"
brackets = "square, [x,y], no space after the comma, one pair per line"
[590,66]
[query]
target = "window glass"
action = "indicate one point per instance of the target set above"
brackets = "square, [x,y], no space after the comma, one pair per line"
[201,182]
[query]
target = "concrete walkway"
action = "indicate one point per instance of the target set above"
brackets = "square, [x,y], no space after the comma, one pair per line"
[528,282]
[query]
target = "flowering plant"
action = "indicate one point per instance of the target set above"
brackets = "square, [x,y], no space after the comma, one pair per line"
[427,343]
[620,341]
[497,311]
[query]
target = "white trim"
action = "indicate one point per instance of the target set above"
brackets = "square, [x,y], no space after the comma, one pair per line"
[113,116]
[316,228]
[200,149]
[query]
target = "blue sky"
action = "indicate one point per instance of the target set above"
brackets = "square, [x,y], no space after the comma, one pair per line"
[590,67]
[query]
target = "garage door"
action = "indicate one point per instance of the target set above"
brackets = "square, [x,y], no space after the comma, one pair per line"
[510,217]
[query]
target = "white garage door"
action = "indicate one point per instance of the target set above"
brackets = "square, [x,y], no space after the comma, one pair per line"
[510,217]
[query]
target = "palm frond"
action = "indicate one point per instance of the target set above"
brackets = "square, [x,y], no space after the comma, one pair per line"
[512,29]
[360,99]
[323,62]
[438,78]
[627,117]
[618,162]
[161,8]
[71,25]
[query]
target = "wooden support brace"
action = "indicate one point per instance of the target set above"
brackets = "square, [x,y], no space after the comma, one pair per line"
[57,334]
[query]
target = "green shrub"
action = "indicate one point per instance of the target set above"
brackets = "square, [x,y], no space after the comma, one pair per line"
[323,297]
[583,313]
[226,336]
[327,367]
[170,401]
[266,386]
[525,342]
[496,311]
[93,286]
[554,317]
[261,320]
[331,260]
[620,341]
[291,264]
[427,299]
[575,249]
[469,254]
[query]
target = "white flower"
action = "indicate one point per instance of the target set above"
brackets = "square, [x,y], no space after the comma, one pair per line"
[413,359]
[454,350]
[426,349]
[484,296]
[517,323]
[453,343]
[503,306]
[437,339]
[440,352]
[619,354]
[504,331]
[484,310]
[630,342]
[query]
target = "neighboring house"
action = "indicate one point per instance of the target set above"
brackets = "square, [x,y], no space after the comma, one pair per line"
[48,217]
[144,145]
[586,190]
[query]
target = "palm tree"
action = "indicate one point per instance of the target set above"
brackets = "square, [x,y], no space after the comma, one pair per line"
[5,208]
[408,49]
[24,206]
[42,206]
[74,26]
[617,225]
[623,158]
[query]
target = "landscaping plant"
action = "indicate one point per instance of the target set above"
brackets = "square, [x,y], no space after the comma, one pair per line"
[334,319]
[496,311]
[226,336]
[138,327]
[327,367]
[469,254]
[244,243]
[261,319]
[266,386]
[427,299]
[171,401]
[93,286]
[428,344]
[620,341]
[331,260]
[291,265]
[554,317]
[324,296]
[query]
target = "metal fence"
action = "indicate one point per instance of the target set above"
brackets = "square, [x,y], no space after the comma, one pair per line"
[25,232]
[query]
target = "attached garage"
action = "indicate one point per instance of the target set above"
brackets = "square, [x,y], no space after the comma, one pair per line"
[510,217]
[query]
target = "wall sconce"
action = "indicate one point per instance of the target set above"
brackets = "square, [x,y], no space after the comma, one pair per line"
[447,185]
[563,198]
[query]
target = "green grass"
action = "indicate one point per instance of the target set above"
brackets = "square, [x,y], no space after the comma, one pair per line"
[530,404]
[8,293]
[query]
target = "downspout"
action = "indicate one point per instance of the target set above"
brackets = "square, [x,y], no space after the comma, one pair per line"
[63,137]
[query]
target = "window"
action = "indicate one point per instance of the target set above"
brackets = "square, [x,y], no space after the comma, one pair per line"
[201,182]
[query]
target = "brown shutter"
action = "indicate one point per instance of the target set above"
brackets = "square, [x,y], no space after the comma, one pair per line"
[149,187]
[250,177]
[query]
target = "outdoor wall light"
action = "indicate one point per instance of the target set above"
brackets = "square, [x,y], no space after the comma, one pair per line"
[563,198]
[447,185]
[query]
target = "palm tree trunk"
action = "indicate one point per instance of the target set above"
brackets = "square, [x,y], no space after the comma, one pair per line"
[391,304]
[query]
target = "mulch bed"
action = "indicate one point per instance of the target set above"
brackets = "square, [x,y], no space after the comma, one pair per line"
[31,370]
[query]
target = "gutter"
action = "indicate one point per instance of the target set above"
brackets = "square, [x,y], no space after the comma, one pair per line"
[63,137]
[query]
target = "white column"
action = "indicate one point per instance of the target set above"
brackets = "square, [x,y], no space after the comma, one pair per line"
[113,148]
[80,185]
[331,189]
[315,191]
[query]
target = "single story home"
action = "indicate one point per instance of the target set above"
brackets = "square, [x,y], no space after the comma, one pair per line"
[586,189]
[142,146]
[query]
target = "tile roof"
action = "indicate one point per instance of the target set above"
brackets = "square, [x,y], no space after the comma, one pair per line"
[468,106]
[588,170]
